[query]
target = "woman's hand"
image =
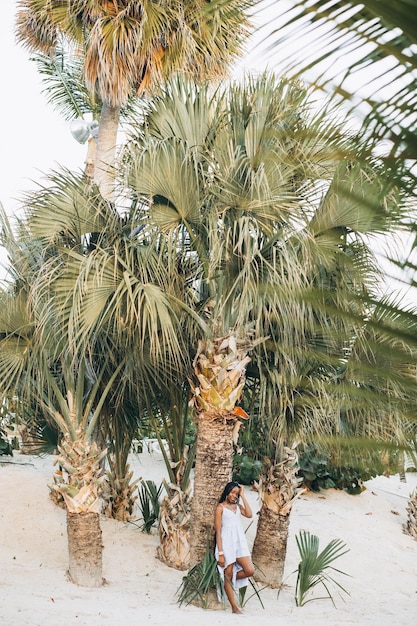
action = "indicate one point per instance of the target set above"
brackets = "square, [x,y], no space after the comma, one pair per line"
[220,560]
[244,507]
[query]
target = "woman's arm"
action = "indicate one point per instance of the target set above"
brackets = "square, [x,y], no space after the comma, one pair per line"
[244,507]
[218,530]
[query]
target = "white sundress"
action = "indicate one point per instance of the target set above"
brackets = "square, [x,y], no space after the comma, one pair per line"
[234,544]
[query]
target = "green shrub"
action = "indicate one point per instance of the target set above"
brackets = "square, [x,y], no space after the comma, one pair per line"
[246,469]
[321,470]
[202,580]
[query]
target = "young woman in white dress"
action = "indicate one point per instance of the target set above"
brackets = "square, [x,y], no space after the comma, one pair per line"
[232,552]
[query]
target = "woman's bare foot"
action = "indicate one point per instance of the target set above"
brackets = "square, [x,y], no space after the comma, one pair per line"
[236,609]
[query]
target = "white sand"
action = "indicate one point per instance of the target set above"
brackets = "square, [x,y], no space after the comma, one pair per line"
[34,590]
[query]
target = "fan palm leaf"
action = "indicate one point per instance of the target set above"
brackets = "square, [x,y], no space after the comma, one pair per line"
[313,565]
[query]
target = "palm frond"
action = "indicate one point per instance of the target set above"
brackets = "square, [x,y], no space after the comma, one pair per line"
[313,565]
[345,41]
[149,504]
[202,579]
[64,88]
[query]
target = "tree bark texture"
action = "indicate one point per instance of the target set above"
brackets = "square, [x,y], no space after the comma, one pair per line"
[174,528]
[270,547]
[213,469]
[85,549]
[174,548]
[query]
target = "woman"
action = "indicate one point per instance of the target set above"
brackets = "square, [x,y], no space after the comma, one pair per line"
[232,552]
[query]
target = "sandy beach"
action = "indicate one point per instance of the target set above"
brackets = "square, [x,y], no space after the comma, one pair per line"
[139,589]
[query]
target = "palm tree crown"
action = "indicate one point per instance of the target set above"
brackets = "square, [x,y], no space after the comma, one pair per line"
[130,45]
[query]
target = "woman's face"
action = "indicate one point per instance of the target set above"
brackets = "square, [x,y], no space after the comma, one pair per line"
[233,495]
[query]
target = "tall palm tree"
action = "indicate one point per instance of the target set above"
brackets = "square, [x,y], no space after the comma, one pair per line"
[179,209]
[302,398]
[231,181]
[130,46]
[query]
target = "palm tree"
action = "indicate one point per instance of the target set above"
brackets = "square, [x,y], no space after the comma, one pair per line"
[343,401]
[71,221]
[179,216]
[37,363]
[129,47]
[329,227]
[302,398]
[66,248]
[231,181]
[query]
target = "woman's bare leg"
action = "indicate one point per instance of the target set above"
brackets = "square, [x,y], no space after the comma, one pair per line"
[228,587]
[247,570]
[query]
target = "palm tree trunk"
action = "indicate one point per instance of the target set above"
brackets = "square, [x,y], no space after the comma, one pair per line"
[106,150]
[270,547]
[119,493]
[79,485]
[219,367]
[213,469]
[174,528]
[85,549]
[278,490]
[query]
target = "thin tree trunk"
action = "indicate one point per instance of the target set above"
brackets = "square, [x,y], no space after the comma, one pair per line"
[270,547]
[213,469]
[106,150]
[85,549]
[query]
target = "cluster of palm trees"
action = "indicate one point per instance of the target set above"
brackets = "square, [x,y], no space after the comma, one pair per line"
[217,267]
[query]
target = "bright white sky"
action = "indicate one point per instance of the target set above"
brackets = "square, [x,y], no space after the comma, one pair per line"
[35,139]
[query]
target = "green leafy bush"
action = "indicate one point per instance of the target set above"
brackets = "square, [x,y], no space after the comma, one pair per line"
[321,470]
[246,469]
